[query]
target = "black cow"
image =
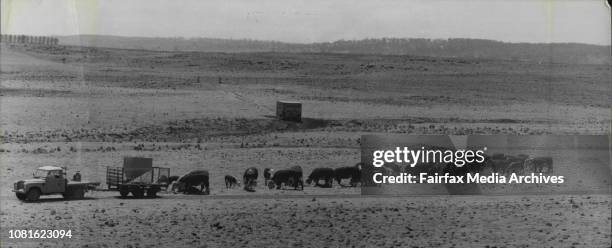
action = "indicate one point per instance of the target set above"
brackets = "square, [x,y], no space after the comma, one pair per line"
[289,177]
[499,165]
[250,179]
[318,174]
[267,175]
[297,169]
[515,164]
[189,183]
[167,180]
[540,163]
[352,172]
[514,167]
[505,164]
[172,179]
[231,181]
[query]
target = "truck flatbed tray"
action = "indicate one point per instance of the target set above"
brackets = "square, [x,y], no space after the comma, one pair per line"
[84,183]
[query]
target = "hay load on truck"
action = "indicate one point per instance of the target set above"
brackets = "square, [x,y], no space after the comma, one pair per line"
[50,180]
[137,177]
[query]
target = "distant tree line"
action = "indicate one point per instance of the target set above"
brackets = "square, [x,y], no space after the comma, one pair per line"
[464,48]
[28,39]
[475,48]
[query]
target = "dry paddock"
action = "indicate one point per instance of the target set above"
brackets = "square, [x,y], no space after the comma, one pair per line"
[104,220]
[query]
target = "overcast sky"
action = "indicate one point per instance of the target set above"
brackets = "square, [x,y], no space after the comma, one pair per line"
[304,21]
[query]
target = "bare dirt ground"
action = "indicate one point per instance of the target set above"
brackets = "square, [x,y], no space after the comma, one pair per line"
[86,108]
[319,221]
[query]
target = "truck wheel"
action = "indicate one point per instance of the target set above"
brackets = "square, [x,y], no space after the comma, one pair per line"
[79,194]
[124,193]
[138,193]
[20,196]
[152,193]
[33,195]
[67,196]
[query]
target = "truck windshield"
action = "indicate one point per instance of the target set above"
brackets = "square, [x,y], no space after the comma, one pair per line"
[47,173]
[40,173]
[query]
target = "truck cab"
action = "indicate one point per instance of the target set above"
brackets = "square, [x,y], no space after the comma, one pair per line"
[54,180]
[45,180]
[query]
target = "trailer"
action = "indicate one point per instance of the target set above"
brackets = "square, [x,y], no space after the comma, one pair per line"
[138,177]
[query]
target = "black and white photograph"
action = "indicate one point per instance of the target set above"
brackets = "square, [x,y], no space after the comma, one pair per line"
[294,123]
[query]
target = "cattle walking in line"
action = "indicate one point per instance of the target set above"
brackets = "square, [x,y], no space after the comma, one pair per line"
[540,163]
[267,175]
[318,174]
[250,179]
[289,177]
[231,182]
[190,182]
[350,172]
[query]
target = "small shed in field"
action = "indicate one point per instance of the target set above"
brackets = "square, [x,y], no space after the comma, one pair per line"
[289,111]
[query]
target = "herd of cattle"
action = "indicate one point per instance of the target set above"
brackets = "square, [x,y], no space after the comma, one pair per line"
[197,182]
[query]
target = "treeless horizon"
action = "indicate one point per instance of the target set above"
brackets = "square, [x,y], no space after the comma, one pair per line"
[301,21]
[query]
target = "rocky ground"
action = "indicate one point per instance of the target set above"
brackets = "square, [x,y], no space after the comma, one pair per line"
[317,221]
